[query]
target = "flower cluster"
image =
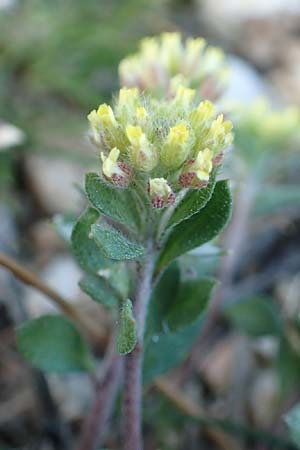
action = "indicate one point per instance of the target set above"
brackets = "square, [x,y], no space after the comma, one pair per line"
[265,127]
[170,144]
[165,62]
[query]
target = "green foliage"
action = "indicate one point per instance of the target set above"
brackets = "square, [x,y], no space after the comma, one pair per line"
[99,290]
[190,303]
[193,202]
[175,316]
[292,420]
[53,344]
[84,248]
[166,350]
[64,224]
[288,366]
[115,245]
[200,227]
[161,300]
[127,336]
[255,316]
[116,203]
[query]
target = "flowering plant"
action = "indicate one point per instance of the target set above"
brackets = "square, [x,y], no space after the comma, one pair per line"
[155,196]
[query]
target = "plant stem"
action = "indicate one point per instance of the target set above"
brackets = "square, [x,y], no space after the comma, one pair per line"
[132,403]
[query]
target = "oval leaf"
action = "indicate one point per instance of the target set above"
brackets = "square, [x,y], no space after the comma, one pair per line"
[193,201]
[98,289]
[190,303]
[85,250]
[127,336]
[53,344]
[115,245]
[199,228]
[115,203]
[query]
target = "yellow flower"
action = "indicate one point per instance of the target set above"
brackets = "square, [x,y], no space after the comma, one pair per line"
[197,171]
[176,149]
[171,51]
[128,97]
[219,136]
[184,96]
[201,115]
[115,171]
[142,153]
[178,134]
[95,123]
[160,192]
[106,116]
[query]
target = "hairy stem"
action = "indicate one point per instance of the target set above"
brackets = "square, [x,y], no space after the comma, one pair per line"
[132,403]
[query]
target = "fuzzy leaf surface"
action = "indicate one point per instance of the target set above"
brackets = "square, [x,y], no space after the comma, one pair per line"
[127,336]
[53,344]
[98,289]
[200,227]
[193,201]
[116,203]
[190,303]
[85,249]
[115,245]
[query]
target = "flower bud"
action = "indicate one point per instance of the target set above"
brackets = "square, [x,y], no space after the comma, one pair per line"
[142,153]
[219,136]
[161,194]
[106,116]
[116,172]
[196,171]
[176,149]
[95,124]
[128,98]
[171,51]
[184,96]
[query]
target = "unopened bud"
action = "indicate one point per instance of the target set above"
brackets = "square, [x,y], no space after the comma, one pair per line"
[116,172]
[196,172]
[142,153]
[175,150]
[161,194]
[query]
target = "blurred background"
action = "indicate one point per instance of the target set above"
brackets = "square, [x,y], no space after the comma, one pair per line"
[59,60]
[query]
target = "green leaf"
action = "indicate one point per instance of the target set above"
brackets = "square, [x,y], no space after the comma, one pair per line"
[255,316]
[116,203]
[85,249]
[193,201]
[162,298]
[127,336]
[98,289]
[166,350]
[53,344]
[115,245]
[199,228]
[292,419]
[276,198]
[288,367]
[190,303]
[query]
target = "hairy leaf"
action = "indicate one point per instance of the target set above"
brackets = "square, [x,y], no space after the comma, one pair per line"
[115,245]
[199,228]
[85,249]
[116,203]
[127,336]
[98,289]
[53,344]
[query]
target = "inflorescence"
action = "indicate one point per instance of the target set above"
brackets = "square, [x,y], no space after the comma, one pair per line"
[171,144]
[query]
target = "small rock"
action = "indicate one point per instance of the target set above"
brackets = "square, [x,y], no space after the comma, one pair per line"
[52,181]
[62,274]
[10,136]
